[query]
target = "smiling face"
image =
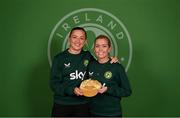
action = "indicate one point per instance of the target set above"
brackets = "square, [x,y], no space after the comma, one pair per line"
[77,40]
[102,49]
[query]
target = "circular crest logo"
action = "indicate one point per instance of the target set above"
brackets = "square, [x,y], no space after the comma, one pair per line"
[108,75]
[95,22]
[86,62]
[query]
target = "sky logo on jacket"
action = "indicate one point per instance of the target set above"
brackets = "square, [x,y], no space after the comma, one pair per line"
[77,75]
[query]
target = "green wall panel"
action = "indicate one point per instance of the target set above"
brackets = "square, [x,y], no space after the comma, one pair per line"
[153,25]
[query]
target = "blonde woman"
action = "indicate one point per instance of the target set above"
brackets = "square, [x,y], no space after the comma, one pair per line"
[114,80]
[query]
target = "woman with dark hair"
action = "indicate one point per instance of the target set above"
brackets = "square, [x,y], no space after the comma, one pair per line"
[68,70]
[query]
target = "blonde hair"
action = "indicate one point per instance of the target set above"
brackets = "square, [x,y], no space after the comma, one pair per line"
[103,37]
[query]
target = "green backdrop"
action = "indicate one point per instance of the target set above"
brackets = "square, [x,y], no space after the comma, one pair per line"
[25,27]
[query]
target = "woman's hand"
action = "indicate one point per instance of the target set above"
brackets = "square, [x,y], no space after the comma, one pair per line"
[78,91]
[102,90]
[114,60]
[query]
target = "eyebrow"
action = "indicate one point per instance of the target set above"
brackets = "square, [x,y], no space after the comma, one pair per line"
[101,44]
[76,35]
